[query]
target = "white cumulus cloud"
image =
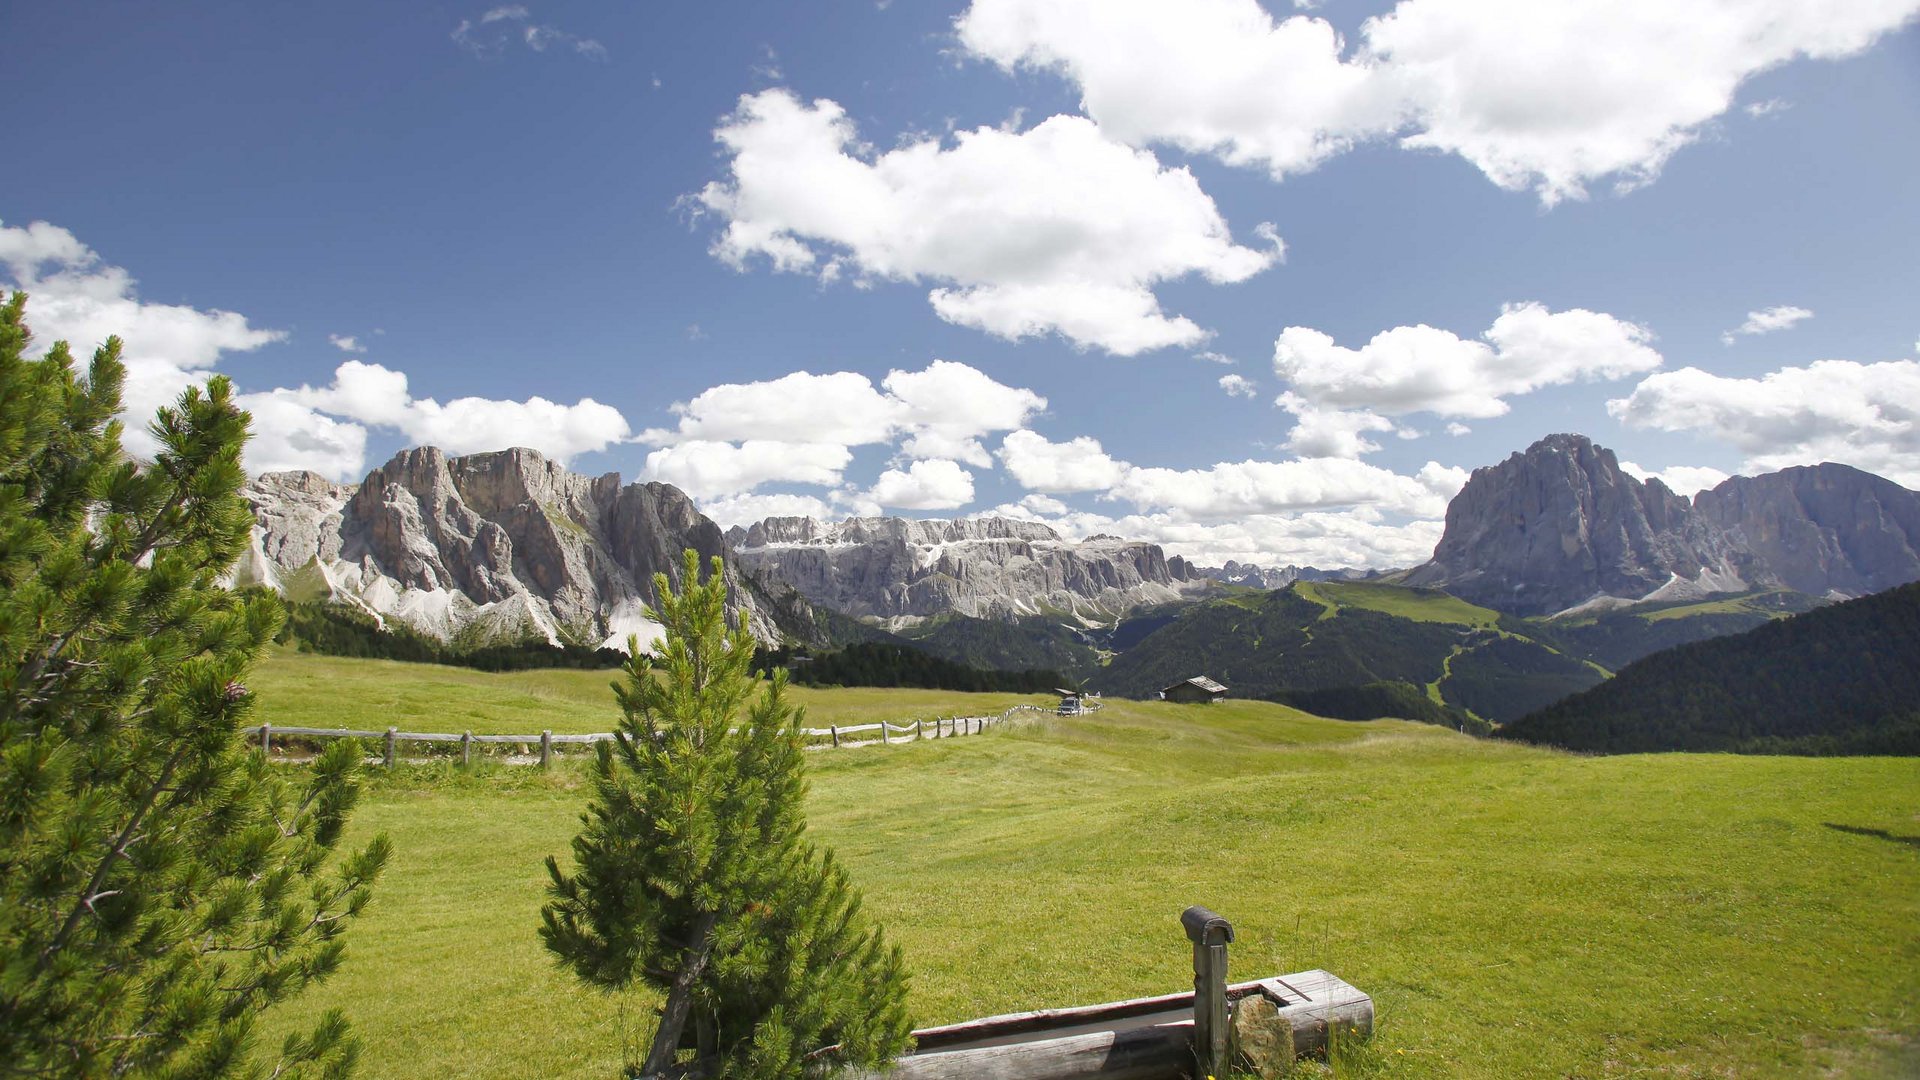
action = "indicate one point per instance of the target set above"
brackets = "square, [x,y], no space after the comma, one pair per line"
[933,484]
[710,470]
[1057,229]
[1236,489]
[1422,369]
[942,410]
[1319,432]
[1239,386]
[74,297]
[377,395]
[1864,415]
[947,408]
[744,510]
[1078,464]
[1539,95]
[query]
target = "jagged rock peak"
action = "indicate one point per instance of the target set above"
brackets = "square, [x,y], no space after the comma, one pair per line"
[1560,526]
[900,570]
[1554,526]
[498,546]
[1817,528]
[867,530]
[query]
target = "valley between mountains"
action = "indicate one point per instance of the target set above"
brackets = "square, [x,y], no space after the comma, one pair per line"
[1557,569]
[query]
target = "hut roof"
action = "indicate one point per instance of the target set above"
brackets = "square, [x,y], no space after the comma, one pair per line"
[1202,682]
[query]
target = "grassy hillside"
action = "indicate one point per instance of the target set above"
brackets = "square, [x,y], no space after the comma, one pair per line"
[1618,638]
[995,645]
[305,690]
[1353,640]
[1420,605]
[1514,911]
[1842,679]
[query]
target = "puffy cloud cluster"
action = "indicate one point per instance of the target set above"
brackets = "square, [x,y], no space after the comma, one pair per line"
[1548,97]
[168,347]
[1057,229]
[1338,395]
[1325,539]
[303,431]
[76,298]
[800,428]
[934,484]
[706,469]
[1041,465]
[1766,321]
[1864,415]
[1244,488]
[1325,510]
[1421,369]
[1319,432]
[1239,386]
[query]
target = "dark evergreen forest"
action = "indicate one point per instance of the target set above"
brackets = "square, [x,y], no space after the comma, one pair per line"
[1843,679]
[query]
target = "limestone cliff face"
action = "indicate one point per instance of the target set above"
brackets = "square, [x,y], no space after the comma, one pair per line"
[902,570]
[498,546]
[1553,526]
[1561,525]
[1817,529]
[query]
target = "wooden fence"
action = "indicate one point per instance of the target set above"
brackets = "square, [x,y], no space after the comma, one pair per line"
[834,736]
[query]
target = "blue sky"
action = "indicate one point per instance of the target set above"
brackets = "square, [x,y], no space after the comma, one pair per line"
[1410,238]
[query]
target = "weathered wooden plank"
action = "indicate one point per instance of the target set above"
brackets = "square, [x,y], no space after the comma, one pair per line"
[1315,1001]
[1157,1052]
[1310,1002]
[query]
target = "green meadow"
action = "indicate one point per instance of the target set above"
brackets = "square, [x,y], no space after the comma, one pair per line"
[1514,912]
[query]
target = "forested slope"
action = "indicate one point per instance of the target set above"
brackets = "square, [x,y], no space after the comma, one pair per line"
[1843,679]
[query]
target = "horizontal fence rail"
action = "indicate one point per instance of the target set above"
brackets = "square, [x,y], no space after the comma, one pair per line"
[836,736]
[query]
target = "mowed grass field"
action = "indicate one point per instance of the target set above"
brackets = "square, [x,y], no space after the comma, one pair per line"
[1514,912]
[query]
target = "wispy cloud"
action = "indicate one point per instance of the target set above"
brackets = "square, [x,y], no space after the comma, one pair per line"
[1239,386]
[491,35]
[1767,321]
[346,343]
[1768,107]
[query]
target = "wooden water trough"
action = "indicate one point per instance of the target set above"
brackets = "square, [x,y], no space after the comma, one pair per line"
[1154,1038]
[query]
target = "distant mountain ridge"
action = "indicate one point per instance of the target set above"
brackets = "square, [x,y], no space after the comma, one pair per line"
[1255,576]
[1561,526]
[901,571]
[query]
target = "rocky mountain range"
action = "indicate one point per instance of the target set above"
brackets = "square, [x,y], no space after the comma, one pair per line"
[496,547]
[506,546]
[1561,526]
[1256,576]
[900,571]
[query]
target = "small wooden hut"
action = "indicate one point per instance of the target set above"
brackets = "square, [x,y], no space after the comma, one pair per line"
[1198,690]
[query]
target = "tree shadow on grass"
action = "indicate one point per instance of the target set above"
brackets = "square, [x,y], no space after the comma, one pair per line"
[1879,834]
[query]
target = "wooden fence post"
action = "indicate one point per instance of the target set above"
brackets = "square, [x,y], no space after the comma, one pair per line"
[919,729]
[834,730]
[266,739]
[1209,934]
[883,733]
[546,748]
[466,748]
[391,732]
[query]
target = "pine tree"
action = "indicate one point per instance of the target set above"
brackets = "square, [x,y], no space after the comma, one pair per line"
[160,885]
[693,874]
